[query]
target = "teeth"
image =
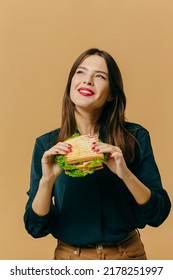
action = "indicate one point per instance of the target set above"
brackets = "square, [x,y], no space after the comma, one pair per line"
[86,91]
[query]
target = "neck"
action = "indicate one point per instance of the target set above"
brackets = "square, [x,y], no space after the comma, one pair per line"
[85,122]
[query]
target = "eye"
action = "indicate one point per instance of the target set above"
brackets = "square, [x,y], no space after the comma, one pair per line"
[80,72]
[100,77]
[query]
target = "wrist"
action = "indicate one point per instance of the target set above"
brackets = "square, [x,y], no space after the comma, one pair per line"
[47,180]
[127,175]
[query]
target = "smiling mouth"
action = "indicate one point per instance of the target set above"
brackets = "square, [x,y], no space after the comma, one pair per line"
[86,91]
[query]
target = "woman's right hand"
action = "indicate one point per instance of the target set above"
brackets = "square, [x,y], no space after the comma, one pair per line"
[50,168]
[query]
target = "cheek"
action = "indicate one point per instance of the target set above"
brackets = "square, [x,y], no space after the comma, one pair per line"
[75,81]
[105,93]
[73,94]
[74,84]
[72,87]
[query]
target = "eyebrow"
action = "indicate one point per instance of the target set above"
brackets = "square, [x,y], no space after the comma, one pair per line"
[96,71]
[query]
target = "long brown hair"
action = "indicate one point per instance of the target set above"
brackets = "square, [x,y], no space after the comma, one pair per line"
[112,119]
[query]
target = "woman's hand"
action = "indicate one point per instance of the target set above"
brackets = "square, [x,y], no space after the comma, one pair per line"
[115,161]
[50,168]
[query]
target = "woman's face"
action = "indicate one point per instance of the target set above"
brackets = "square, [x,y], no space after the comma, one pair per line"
[90,87]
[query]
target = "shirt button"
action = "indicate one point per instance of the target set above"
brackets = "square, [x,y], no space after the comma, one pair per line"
[75,252]
[100,247]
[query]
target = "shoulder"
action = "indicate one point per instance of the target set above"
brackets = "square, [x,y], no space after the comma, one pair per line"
[48,139]
[130,126]
[141,135]
[136,129]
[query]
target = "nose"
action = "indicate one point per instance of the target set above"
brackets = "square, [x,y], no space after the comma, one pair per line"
[88,80]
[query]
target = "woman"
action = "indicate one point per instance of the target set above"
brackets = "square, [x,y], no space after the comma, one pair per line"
[96,216]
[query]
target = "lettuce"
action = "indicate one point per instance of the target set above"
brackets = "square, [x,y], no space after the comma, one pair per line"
[79,172]
[74,135]
[95,163]
[60,159]
[72,171]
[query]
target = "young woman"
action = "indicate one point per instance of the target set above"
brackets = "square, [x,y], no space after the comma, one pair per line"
[96,216]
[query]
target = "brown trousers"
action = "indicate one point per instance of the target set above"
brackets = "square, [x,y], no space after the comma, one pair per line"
[131,248]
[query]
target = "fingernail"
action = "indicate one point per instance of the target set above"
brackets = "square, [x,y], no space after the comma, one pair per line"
[93,148]
[97,150]
[69,145]
[57,152]
[94,143]
[110,155]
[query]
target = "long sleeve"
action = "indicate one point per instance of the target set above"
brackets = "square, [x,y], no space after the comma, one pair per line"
[37,226]
[156,210]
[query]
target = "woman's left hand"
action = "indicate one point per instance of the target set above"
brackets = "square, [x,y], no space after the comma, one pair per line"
[115,162]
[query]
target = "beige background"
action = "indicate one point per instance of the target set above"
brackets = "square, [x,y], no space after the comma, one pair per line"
[39,42]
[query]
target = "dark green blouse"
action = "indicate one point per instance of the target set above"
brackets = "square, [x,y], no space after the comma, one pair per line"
[98,207]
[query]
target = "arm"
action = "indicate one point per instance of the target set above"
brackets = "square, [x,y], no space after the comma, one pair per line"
[117,165]
[39,208]
[50,170]
[153,203]
[140,192]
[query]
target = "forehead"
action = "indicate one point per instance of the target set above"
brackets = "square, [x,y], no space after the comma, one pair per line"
[94,62]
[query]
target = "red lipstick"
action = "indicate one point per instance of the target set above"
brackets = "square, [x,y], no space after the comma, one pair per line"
[85,91]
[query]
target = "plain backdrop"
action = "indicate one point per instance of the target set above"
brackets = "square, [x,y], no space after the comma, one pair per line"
[39,42]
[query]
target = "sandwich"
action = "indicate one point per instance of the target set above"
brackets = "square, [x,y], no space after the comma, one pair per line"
[82,160]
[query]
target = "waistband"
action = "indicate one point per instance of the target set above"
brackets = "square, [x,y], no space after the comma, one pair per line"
[100,245]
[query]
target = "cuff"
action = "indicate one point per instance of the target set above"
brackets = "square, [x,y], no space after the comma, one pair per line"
[37,219]
[148,206]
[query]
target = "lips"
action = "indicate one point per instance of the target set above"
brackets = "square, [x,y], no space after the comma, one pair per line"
[86,91]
